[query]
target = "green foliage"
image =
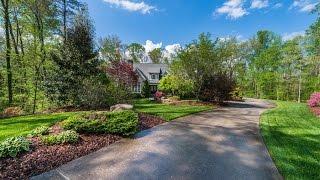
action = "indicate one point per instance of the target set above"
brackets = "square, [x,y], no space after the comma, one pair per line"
[198,66]
[39,131]
[175,85]
[111,48]
[292,135]
[146,90]
[122,123]
[64,137]
[76,78]
[12,146]
[156,55]
[136,52]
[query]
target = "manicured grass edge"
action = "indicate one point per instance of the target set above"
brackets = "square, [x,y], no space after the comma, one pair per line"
[275,105]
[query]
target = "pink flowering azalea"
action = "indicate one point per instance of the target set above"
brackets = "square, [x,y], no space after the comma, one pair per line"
[158,95]
[314,100]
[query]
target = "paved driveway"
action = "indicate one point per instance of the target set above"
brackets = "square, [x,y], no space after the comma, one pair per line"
[220,144]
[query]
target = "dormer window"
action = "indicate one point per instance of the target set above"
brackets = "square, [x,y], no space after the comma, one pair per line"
[154,76]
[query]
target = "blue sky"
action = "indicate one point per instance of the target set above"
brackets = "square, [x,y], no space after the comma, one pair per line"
[181,21]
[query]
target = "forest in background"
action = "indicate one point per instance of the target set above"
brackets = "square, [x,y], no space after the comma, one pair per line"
[50,57]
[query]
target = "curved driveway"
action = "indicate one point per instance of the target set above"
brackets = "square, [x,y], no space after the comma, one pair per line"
[221,144]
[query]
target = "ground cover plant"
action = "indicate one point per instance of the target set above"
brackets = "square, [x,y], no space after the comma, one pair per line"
[61,138]
[12,146]
[292,135]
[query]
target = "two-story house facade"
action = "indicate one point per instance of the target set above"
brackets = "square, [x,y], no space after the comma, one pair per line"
[149,72]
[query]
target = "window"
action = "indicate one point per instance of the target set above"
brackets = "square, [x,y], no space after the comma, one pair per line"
[137,88]
[154,76]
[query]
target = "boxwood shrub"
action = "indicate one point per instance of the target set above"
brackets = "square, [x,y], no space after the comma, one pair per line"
[121,123]
[64,137]
[14,145]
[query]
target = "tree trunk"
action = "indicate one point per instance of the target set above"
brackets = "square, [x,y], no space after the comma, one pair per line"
[65,20]
[5,6]
[299,91]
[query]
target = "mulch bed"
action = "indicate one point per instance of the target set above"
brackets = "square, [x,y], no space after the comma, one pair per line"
[42,158]
[316,111]
[148,121]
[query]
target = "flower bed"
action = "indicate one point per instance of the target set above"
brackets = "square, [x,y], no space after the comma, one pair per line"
[42,157]
[314,103]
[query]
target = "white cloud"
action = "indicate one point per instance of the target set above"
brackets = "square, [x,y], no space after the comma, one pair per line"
[171,50]
[132,6]
[308,7]
[290,36]
[303,5]
[149,46]
[278,5]
[259,4]
[233,9]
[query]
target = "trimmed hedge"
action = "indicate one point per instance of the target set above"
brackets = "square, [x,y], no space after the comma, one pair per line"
[123,123]
[11,147]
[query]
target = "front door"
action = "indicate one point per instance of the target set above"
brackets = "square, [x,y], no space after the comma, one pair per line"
[153,88]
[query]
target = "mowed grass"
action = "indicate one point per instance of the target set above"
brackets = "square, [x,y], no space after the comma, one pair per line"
[23,125]
[167,112]
[292,135]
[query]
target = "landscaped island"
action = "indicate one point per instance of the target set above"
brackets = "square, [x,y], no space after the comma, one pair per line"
[49,140]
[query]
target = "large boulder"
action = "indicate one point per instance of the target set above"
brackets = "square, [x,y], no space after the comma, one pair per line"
[121,107]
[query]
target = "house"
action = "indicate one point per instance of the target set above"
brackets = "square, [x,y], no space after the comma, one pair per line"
[149,72]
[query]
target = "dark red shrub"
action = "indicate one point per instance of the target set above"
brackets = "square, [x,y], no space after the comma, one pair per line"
[217,87]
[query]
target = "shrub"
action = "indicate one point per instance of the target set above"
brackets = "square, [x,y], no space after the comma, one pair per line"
[314,100]
[12,146]
[137,96]
[146,90]
[64,137]
[42,130]
[217,88]
[237,94]
[158,95]
[176,85]
[121,123]
[12,111]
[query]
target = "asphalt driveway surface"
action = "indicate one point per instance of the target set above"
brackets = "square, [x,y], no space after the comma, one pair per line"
[220,144]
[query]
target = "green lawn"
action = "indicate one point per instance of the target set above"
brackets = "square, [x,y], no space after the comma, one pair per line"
[167,112]
[23,125]
[292,135]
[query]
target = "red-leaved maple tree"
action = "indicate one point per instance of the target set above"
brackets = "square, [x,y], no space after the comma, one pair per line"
[122,73]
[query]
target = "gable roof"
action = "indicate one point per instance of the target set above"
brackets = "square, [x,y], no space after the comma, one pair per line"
[144,69]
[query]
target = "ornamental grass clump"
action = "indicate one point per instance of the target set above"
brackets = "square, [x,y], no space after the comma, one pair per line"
[314,100]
